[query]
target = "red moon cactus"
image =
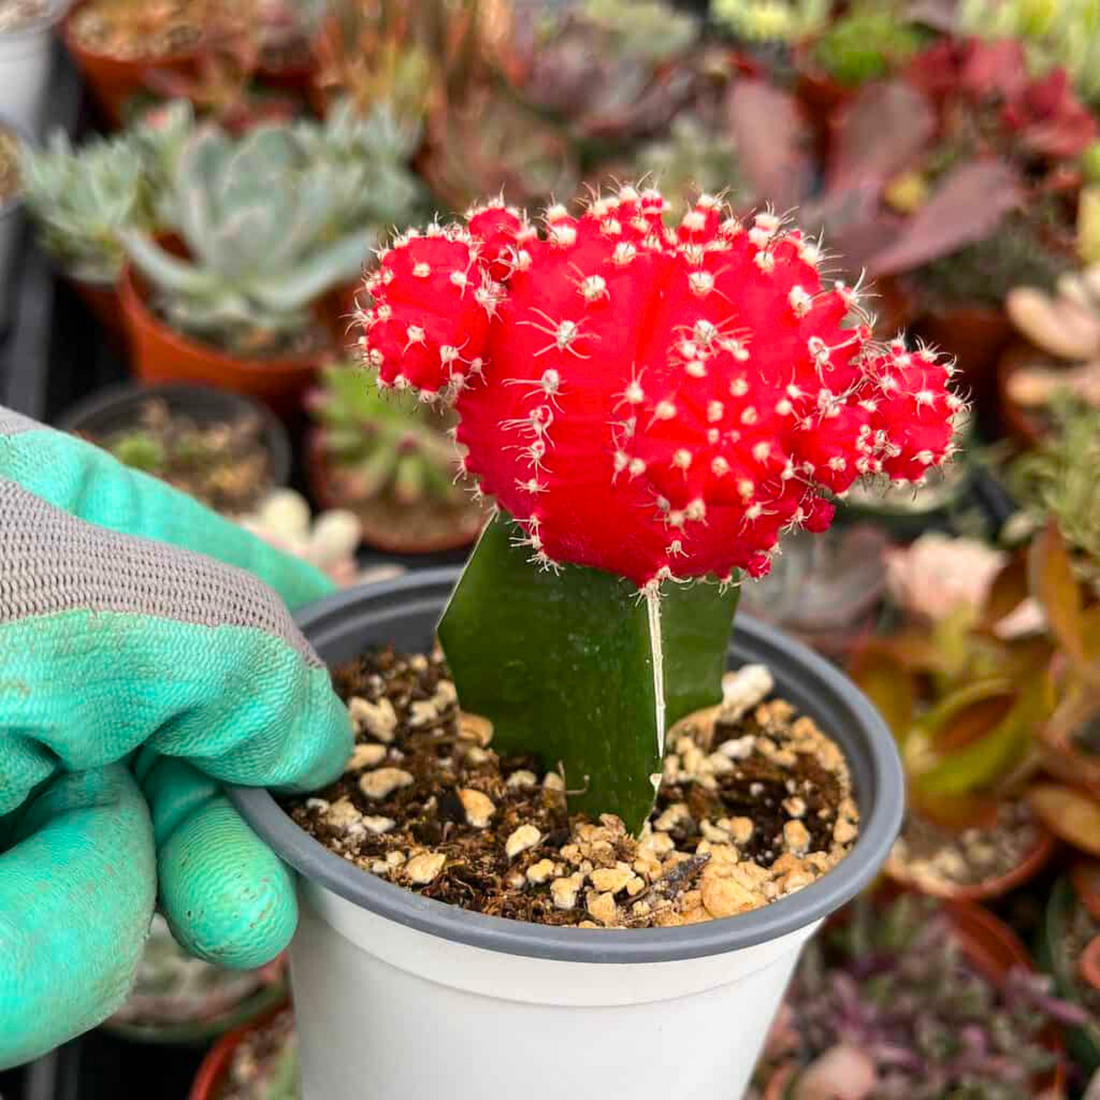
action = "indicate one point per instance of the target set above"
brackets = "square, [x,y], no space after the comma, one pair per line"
[653,402]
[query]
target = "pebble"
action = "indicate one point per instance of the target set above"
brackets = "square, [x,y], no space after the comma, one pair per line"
[366,755]
[553,782]
[741,829]
[603,908]
[796,807]
[378,825]
[844,831]
[479,807]
[425,867]
[522,780]
[738,748]
[523,838]
[344,816]
[445,694]
[422,713]
[744,689]
[564,891]
[539,872]
[796,836]
[472,727]
[378,719]
[611,880]
[723,897]
[384,781]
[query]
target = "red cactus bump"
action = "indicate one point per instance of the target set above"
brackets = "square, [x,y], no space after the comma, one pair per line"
[653,402]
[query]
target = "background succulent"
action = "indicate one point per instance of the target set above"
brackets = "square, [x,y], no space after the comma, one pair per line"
[771,20]
[866,43]
[269,230]
[81,199]
[391,459]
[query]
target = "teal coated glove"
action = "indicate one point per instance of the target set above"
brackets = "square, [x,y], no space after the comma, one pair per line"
[135,676]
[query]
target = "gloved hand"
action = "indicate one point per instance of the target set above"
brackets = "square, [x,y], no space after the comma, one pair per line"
[134,675]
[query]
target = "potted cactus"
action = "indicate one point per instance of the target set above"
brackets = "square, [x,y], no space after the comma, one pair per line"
[116,43]
[649,408]
[259,1062]
[390,459]
[220,448]
[268,226]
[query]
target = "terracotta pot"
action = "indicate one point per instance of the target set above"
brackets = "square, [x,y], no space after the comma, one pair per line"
[160,354]
[1026,869]
[104,305]
[214,1067]
[381,529]
[112,80]
[976,336]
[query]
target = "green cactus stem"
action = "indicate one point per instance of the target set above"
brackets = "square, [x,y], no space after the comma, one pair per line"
[579,663]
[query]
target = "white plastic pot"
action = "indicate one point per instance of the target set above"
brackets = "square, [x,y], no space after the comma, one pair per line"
[400,996]
[25,58]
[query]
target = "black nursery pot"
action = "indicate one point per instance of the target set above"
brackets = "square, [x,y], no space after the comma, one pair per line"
[424,999]
[118,409]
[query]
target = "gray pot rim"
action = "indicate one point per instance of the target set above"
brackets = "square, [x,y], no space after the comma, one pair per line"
[881,808]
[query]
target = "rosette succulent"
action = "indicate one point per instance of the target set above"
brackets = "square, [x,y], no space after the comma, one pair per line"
[649,407]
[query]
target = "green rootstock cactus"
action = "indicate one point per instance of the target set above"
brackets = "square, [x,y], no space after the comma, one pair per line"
[649,407]
[385,447]
[266,231]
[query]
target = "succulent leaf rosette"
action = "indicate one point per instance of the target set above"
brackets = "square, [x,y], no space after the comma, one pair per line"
[646,405]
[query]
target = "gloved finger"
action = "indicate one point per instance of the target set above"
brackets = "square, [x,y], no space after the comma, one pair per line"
[113,641]
[227,898]
[92,485]
[76,898]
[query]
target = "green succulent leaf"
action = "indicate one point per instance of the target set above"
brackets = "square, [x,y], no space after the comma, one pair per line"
[581,669]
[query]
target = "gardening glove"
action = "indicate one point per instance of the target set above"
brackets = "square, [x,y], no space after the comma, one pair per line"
[135,675]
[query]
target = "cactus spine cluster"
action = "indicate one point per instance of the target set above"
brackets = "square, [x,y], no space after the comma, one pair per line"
[655,403]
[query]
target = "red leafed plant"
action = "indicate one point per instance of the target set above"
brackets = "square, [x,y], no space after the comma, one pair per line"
[647,403]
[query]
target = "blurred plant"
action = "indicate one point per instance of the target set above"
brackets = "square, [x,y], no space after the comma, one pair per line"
[225,465]
[227,59]
[264,1065]
[10,174]
[172,988]
[366,158]
[1060,478]
[268,230]
[944,157]
[887,1004]
[609,71]
[81,199]
[695,156]
[328,542]
[987,696]
[866,43]
[771,20]
[1064,33]
[390,458]
[132,29]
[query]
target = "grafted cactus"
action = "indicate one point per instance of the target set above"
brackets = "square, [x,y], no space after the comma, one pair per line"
[647,404]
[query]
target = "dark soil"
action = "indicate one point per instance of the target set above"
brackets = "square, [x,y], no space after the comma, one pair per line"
[225,465]
[752,807]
